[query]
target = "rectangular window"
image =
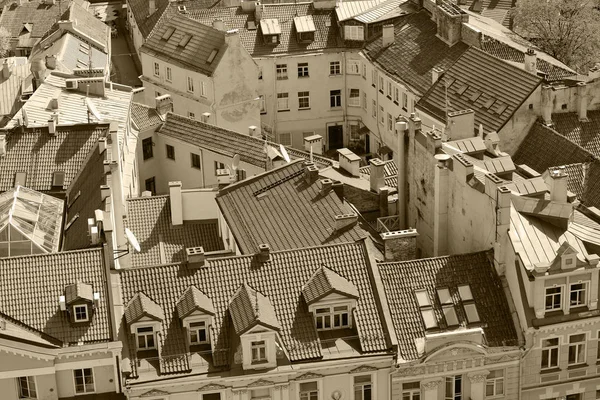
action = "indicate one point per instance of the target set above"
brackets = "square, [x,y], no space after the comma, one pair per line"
[390,122]
[170,152]
[145,338]
[354,99]
[364,101]
[577,294]
[411,391]
[169,74]
[156,69]
[364,71]
[381,115]
[381,84]
[302,70]
[281,71]
[84,380]
[374,78]
[191,115]
[260,394]
[309,391]
[147,148]
[353,67]
[335,98]
[198,333]
[374,109]
[80,313]
[150,185]
[404,102]
[577,349]
[259,351]
[332,317]
[285,138]
[195,160]
[554,298]
[335,68]
[202,89]
[362,387]
[218,166]
[494,383]
[354,132]
[396,95]
[389,90]
[303,100]
[550,353]
[453,387]
[27,387]
[354,32]
[283,103]
[190,84]
[263,104]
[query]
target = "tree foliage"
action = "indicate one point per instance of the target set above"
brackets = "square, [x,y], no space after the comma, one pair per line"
[4,42]
[569,30]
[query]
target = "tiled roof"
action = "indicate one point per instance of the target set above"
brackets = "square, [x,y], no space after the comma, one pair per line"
[575,178]
[88,24]
[584,134]
[193,299]
[31,287]
[141,13]
[10,88]
[39,15]
[401,280]
[326,35]
[142,306]
[144,117]
[487,79]
[83,199]
[248,307]
[40,155]
[223,141]
[71,52]
[415,51]
[390,170]
[280,209]
[77,291]
[149,218]
[324,282]
[219,279]
[185,42]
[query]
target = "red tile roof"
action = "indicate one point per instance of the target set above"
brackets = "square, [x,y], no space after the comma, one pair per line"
[31,287]
[280,209]
[145,117]
[193,299]
[324,282]
[248,308]
[221,278]
[141,13]
[142,306]
[149,218]
[402,279]
[38,14]
[584,134]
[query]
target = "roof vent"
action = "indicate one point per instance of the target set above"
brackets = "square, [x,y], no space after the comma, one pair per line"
[62,303]
[195,257]
[71,84]
[264,252]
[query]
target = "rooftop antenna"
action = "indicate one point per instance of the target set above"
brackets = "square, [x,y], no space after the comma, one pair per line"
[284,153]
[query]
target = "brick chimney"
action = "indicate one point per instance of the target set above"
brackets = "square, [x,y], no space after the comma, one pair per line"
[264,252]
[377,178]
[315,142]
[176,203]
[461,124]
[325,186]
[311,173]
[195,257]
[349,161]
[449,18]
[582,101]
[388,35]
[531,61]
[344,221]
[400,245]
[557,184]
[164,104]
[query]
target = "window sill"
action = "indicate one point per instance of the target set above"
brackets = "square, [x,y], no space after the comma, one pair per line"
[577,366]
[354,105]
[405,109]
[374,86]
[381,91]
[263,113]
[282,79]
[338,108]
[389,97]
[283,110]
[198,168]
[334,75]
[396,103]
[303,76]
[304,109]
[549,370]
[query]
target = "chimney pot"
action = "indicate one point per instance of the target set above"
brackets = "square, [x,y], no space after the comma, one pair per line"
[252,130]
[344,221]
[264,252]
[531,61]
[377,178]
[325,186]
[205,117]
[176,203]
[195,257]
[400,245]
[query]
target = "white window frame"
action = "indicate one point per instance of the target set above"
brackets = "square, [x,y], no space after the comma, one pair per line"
[389,89]
[396,95]
[258,347]
[191,115]
[374,113]
[156,69]
[305,96]
[364,71]
[390,122]
[577,346]
[281,71]
[354,32]
[190,84]
[382,115]
[85,390]
[337,96]
[335,68]
[145,334]
[381,84]
[332,313]
[404,101]
[362,386]
[353,67]
[550,349]
[412,393]
[168,74]
[585,290]
[87,315]
[303,70]
[31,384]
[454,395]
[196,330]
[202,89]
[354,101]
[374,77]
[309,395]
[546,295]
[364,100]
[497,383]
[283,101]
[267,397]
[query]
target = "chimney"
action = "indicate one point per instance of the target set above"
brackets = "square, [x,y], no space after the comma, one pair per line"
[195,257]
[344,221]
[232,38]
[349,161]
[38,69]
[5,69]
[449,18]
[325,186]
[384,204]
[314,142]
[264,252]
[52,122]
[492,140]
[252,130]
[107,166]
[311,173]
[557,183]
[582,101]
[101,145]
[205,117]
[531,61]
[436,72]
[51,61]
[67,25]
[151,7]
[91,86]
[377,177]
[219,25]
[258,10]
[2,144]
[414,125]
[401,156]
[547,104]
[400,245]
[104,192]
[176,203]
[461,125]
[164,104]
[338,188]
[388,35]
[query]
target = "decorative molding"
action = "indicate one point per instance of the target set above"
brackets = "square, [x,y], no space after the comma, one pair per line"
[261,382]
[309,375]
[211,386]
[155,392]
[411,371]
[241,391]
[478,376]
[363,368]
[431,385]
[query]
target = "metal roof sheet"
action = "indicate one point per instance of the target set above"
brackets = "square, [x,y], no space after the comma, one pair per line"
[304,23]
[380,11]
[270,26]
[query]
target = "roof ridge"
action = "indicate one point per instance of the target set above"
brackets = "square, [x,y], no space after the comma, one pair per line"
[158,196]
[436,258]
[60,253]
[255,178]
[554,131]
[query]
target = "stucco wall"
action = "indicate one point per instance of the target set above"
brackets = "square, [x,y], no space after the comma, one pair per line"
[45,386]
[517,128]
[102,381]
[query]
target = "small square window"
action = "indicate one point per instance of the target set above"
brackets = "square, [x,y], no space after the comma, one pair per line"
[259,351]
[195,160]
[170,152]
[80,313]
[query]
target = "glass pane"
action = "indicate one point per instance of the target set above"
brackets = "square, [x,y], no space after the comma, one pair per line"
[308,386]
[150,339]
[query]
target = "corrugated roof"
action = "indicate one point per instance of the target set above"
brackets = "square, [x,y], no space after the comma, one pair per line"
[270,26]
[385,10]
[304,24]
[10,88]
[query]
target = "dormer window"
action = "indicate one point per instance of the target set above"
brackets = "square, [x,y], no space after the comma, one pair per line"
[333,317]
[259,351]
[198,333]
[305,28]
[271,30]
[144,318]
[78,301]
[196,312]
[145,338]
[80,313]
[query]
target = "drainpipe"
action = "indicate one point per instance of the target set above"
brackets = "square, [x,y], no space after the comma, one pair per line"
[345,91]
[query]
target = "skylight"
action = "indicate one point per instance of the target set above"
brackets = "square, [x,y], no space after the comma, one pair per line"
[422,298]
[450,315]
[444,296]
[465,292]
[472,314]
[489,103]
[429,319]
[185,40]
[168,33]
[212,56]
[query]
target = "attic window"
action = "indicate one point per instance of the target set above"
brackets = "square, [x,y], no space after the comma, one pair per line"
[168,33]
[20,178]
[465,292]
[145,338]
[305,28]
[444,296]
[427,312]
[461,89]
[475,96]
[184,40]
[58,179]
[422,298]
[270,30]
[472,314]
[212,56]
[489,103]
[450,315]
[80,313]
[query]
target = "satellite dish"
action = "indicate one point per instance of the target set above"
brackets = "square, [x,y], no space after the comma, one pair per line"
[284,153]
[92,108]
[132,240]
[236,162]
